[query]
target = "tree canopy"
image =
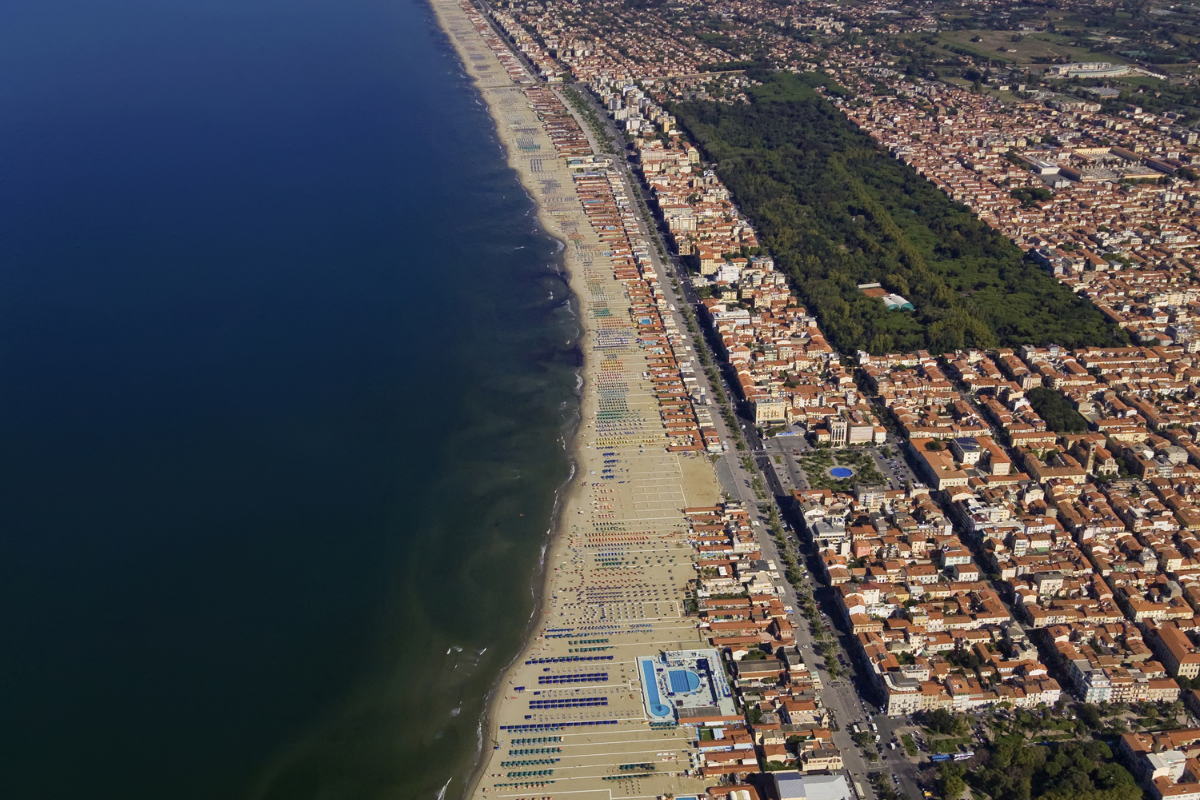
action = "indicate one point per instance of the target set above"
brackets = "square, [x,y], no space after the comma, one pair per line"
[943,722]
[1067,771]
[837,211]
[1057,411]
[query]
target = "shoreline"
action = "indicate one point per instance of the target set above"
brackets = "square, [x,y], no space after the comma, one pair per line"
[573,437]
[639,605]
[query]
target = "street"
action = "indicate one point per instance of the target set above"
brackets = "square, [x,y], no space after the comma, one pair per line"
[775,464]
[838,696]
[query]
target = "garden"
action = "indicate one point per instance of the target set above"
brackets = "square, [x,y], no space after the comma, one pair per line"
[826,469]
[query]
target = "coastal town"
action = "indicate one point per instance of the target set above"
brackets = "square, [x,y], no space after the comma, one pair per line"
[807,565]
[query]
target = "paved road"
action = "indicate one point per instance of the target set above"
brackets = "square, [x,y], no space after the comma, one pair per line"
[839,696]
[897,762]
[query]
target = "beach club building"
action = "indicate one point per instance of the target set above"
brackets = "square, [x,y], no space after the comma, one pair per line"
[687,687]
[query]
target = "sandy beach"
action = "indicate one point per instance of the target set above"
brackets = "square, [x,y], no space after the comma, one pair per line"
[568,715]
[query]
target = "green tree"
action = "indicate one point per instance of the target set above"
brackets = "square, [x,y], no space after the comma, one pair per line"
[836,210]
[950,781]
[1057,411]
[942,722]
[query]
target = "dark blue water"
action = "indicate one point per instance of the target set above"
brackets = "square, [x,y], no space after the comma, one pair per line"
[284,371]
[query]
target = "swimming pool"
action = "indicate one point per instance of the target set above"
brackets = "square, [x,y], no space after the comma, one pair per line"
[655,707]
[841,472]
[683,681]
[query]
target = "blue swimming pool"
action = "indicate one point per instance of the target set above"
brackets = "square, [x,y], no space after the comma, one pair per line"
[841,472]
[683,681]
[654,705]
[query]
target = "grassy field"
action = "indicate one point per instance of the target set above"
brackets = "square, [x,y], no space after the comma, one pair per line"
[1140,80]
[948,744]
[1031,46]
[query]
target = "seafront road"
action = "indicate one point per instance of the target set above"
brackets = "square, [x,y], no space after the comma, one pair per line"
[659,495]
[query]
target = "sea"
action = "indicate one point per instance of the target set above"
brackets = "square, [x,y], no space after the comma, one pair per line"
[287,368]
